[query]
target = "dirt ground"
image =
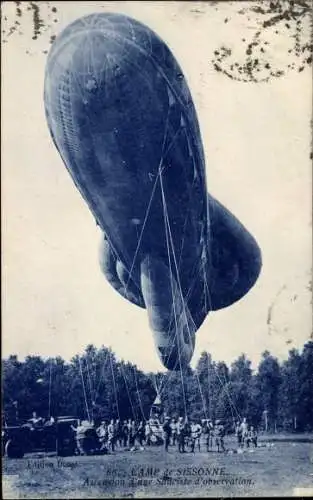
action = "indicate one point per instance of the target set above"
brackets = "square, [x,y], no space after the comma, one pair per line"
[277,467]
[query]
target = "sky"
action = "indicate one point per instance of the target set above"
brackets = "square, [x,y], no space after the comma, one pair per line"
[256,139]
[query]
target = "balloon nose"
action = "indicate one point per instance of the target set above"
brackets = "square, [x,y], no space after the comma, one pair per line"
[94,61]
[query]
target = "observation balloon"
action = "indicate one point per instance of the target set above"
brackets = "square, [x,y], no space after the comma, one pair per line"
[121,115]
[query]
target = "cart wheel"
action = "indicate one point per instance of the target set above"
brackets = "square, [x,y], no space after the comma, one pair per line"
[13,449]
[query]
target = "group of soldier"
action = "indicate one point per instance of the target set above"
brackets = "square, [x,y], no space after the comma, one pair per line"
[183,433]
[246,435]
[188,434]
[111,435]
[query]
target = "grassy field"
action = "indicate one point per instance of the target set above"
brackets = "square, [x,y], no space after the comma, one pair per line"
[273,469]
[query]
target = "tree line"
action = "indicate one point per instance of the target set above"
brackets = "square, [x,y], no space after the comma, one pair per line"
[95,385]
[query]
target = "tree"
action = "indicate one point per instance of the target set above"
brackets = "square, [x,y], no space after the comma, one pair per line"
[97,386]
[241,371]
[12,387]
[268,382]
[289,391]
[172,394]
[236,396]
[213,377]
[305,388]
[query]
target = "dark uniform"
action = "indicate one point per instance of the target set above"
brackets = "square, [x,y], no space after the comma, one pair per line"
[167,433]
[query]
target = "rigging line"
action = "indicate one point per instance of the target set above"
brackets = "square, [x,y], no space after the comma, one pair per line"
[171,143]
[194,266]
[186,218]
[152,377]
[156,385]
[141,235]
[183,384]
[222,384]
[149,276]
[94,374]
[163,156]
[173,297]
[172,291]
[170,323]
[84,389]
[150,203]
[181,373]
[94,371]
[114,386]
[127,389]
[187,296]
[232,413]
[160,387]
[204,406]
[163,383]
[224,388]
[209,393]
[180,290]
[183,238]
[231,404]
[193,282]
[178,278]
[151,197]
[173,250]
[206,287]
[50,385]
[100,377]
[171,280]
[171,276]
[207,260]
[173,311]
[173,139]
[90,383]
[165,380]
[228,393]
[138,394]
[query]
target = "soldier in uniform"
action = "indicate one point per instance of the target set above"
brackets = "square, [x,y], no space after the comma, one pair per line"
[196,431]
[219,433]
[173,431]
[167,433]
[252,437]
[80,435]
[102,432]
[125,434]
[181,435]
[238,432]
[148,433]
[111,436]
[140,433]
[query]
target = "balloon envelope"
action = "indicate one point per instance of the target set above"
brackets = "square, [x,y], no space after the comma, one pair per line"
[122,118]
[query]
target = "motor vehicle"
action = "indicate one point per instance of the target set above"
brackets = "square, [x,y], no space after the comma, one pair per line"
[52,436]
